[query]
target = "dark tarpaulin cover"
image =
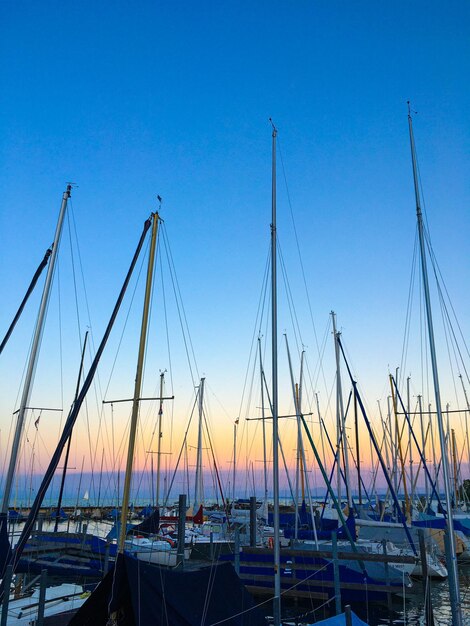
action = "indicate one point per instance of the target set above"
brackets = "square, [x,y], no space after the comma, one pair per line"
[161,596]
[5,548]
[95,611]
[150,525]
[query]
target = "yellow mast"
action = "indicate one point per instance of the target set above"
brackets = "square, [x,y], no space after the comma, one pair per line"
[402,460]
[138,384]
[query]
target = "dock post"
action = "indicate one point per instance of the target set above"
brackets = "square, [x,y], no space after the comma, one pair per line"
[6,594]
[181,530]
[334,541]
[387,582]
[42,598]
[428,612]
[253,522]
[236,549]
[211,546]
[347,615]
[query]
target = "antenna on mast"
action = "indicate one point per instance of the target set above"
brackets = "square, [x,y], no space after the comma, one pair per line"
[410,110]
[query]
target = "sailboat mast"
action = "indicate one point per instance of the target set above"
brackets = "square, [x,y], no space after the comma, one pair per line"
[138,384]
[452,566]
[33,357]
[342,440]
[408,409]
[198,482]
[423,439]
[277,553]
[159,443]
[400,452]
[235,426]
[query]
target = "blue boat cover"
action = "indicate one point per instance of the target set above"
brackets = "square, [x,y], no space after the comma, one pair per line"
[340,620]
[146,511]
[116,531]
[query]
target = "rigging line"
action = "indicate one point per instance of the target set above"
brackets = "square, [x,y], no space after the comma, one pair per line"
[217,399]
[291,303]
[259,317]
[312,377]
[179,300]
[91,344]
[446,335]
[97,391]
[178,307]
[358,384]
[454,344]
[61,361]
[406,336]
[423,337]
[264,291]
[290,300]
[170,364]
[142,260]
[77,311]
[326,335]
[19,391]
[144,468]
[421,189]
[437,274]
[209,591]
[183,446]
[152,301]
[100,423]
[249,442]
[258,320]
[283,592]
[300,256]
[74,279]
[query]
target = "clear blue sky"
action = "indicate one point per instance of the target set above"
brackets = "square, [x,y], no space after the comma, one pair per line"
[131,100]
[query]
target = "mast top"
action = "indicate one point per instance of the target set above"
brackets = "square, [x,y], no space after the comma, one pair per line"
[274,128]
[68,190]
[410,110]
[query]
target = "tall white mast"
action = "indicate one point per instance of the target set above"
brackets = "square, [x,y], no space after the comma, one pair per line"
[452,566]
[277,553]
[33,357]
[198,488]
